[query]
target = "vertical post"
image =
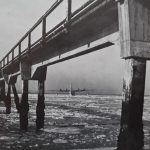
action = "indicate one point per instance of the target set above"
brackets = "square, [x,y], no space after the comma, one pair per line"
[44,28]
[24,107]
[8,100]
[69,9]
[43,31]
[7,59]
[13,55]
[40,75]
[40,113]
[19,49]
[16,97]
[3,62]
[131,135]
[3,96]
[29,41]
[135,36]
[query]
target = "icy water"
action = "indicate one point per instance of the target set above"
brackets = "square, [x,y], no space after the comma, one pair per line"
[71,123]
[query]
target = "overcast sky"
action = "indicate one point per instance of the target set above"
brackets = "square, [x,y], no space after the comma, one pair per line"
[101,70]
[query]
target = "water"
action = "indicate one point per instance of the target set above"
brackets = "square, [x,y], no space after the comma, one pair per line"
[71,123]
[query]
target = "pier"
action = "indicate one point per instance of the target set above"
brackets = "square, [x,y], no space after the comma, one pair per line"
[94,26]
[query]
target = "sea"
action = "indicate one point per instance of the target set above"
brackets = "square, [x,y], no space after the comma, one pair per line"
[82,122]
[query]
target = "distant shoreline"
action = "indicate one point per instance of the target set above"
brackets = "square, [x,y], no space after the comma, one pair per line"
[79,94]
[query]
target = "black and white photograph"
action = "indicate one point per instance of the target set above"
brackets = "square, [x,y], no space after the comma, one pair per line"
[74,75]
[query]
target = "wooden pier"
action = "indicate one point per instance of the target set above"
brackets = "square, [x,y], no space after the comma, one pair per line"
[97,24]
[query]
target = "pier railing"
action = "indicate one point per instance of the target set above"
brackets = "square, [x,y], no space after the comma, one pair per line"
[18,51]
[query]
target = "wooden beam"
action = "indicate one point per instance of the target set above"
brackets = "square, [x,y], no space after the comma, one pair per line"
[16,97]
[131,132]
[44,28]
[8,100]
[25,69]
[24,107]
[40,113]
[134,28]
[69,10]
[2,86]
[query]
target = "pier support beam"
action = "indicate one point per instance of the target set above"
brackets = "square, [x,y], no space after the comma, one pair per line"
[40,75]
[13,80]
[40,113]
[8,100]
[131,133]
[3,96]
[24,107]
[135,49]
[16,97]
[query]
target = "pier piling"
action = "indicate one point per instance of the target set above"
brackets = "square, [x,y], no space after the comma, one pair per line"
[13,80]
[8,100]
[3,96]
[40,113]
[24,107]
[40,75]
[16,97]
[131,132]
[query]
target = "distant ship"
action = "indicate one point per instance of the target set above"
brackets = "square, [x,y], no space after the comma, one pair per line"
[72,92]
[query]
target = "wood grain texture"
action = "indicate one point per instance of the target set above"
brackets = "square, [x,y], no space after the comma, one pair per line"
[134,26]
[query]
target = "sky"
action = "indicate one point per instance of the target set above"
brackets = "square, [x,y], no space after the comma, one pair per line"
[100,71]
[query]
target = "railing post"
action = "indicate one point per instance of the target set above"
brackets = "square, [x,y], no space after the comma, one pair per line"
[7,59]
[43,31]
[13,54]
[29,41]
[69,9]
[43,28]
[3,62]
[19,50]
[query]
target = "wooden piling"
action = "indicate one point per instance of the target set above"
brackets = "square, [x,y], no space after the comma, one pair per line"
[3,96]
[40,75]
[16,97]
[40,113]
[8,100]
[24,107]
[131,135]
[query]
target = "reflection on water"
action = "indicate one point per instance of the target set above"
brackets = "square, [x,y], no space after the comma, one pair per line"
[71,123]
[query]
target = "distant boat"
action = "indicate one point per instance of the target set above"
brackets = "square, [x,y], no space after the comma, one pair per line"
[71,92]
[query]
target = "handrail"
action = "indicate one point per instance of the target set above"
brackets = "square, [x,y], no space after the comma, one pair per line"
[45,34]
[53,7]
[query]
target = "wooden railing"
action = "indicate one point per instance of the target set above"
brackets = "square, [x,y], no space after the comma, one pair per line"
[12,56]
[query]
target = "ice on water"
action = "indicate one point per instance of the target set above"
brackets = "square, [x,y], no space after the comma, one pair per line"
[80,122]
